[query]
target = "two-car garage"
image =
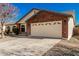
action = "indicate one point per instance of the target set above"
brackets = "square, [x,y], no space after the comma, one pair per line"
[51,24]
[47,29]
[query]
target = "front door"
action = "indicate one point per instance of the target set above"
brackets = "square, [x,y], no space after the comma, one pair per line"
[22,28]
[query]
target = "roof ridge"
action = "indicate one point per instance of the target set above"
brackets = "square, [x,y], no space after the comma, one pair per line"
[51,11]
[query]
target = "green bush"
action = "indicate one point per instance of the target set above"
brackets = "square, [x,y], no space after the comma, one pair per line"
[15,30]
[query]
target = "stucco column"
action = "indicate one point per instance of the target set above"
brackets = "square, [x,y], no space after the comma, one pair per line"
[28,29]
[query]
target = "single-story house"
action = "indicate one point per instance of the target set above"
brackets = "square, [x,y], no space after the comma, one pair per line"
[45,23]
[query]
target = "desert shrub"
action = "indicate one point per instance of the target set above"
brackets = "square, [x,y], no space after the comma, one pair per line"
[76,31]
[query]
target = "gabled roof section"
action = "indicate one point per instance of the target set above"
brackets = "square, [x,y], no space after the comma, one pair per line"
[52,13]
[43,14]
[29,14]
[59,13]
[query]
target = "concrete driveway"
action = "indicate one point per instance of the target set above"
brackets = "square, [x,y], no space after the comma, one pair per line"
[26,46]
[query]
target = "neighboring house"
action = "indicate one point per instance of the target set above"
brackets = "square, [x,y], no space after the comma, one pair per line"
[10,25]
[50,24]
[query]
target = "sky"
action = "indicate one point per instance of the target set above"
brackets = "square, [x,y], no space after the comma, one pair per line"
[24,8]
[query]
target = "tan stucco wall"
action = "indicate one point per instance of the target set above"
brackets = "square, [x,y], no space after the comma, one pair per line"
[70,27]
[3,28]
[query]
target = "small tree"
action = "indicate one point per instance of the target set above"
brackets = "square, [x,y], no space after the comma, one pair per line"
[7,11]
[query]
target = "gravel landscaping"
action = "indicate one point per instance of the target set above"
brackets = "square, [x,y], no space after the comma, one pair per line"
[65,48]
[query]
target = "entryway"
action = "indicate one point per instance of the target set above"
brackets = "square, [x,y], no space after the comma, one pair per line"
[22,28]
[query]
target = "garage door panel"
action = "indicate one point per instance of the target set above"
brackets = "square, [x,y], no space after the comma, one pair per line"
[53,30]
